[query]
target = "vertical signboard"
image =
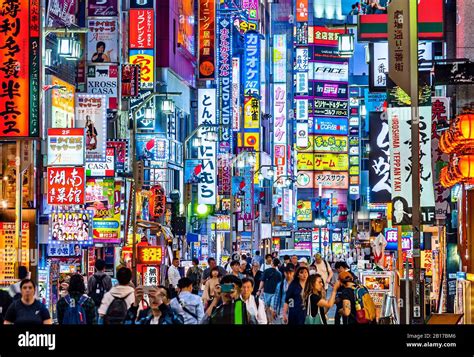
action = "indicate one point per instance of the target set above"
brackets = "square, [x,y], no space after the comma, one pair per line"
[207,151]
[251,66]
[279,129]
[279,58]
[379,158]
[354,143]
[102,80]
[66,185]
[141,28]
[62,104]
[207,18]
[19,77]
[224,70]
[236,93]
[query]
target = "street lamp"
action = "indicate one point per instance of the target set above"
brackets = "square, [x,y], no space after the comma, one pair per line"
[346,45]
[167,106]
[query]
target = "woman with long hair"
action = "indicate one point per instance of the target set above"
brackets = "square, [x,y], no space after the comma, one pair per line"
[314,298]
[294,312]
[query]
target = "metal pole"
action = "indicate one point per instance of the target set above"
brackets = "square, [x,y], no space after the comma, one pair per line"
[133,197]
[18,199]
[415,138]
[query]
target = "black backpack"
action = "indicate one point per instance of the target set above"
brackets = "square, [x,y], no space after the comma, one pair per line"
[99,290]
[117,311]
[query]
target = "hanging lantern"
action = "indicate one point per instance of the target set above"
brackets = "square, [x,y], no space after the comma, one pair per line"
[346,45]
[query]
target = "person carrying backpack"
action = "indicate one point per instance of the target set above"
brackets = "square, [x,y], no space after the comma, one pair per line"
[118,300]
[99,283]
[357,304]
[76,308]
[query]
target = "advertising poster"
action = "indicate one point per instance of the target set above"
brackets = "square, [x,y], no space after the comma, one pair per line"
[20,53]
[207,36]
[66,147]
[141,28]
[103,198]
[328,179]
[65,185]
[70,227]
[322,162]
[102,40]
[144,59]
[8,245]
[102,8]
[130,80]
[62,104]
[121,153]
[61,13]
[102,80]
[91,114]
[192,170]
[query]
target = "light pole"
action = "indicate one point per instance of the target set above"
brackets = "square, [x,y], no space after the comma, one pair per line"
[135,175]
[320,221]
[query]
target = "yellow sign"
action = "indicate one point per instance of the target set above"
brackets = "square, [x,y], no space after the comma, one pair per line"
[144,58]
[252,140]
[251,113]
[304,212]
[62,104]
[325,143]
[320,162]
[427,262]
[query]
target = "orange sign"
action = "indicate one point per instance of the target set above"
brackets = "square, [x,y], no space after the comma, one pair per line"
[301,10]
[149,255]
[207,38]
[19,75]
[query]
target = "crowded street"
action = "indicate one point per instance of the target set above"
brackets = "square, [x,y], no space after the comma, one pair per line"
[236,162]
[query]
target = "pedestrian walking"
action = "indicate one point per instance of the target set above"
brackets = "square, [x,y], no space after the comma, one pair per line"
[76,308]
[294,312]
[255,306]
[315,300]
[99,283]
[278,299]
[209,287]
[187,304]
[195,274]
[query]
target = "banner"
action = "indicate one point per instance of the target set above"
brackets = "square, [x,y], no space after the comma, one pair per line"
[121,153]
[379,159]
[337,126]
[141,28]
[224,70]
[251,113]
[328,108]
[102,8]
[400,171]
[65,185]
[66,147]
[207,19]
[102,80]
[70,227]
[440,118]
[103,198]
[130,81]
[321,162]
[251,75]
[325,143]
[91,114]
[62,104]
[336,72]
[102,169]
[328,179]
[61,13]
[19,78]
[102,40]
[207,152]
[144,59]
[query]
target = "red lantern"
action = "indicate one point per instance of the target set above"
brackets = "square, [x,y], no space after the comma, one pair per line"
[157,201]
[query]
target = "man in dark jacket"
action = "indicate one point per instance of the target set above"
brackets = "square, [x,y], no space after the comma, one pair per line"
[158,312]
[99,283]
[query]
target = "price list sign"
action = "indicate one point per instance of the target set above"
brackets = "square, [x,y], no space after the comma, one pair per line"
[8,252]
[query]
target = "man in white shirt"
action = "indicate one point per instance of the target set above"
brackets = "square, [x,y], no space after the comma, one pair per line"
[173,274]
[268,262]
[323,268]
[256,310]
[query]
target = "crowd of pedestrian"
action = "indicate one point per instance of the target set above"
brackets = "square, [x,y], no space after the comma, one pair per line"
[273,290]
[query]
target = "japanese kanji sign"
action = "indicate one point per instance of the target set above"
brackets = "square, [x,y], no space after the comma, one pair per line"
[328,179]
[379,159]
[325,143]
[321,35]
[207,151]
[145,59]
[149,255]
[157,201]
[19,71]
[207,18]
[320,162]
[66,185]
